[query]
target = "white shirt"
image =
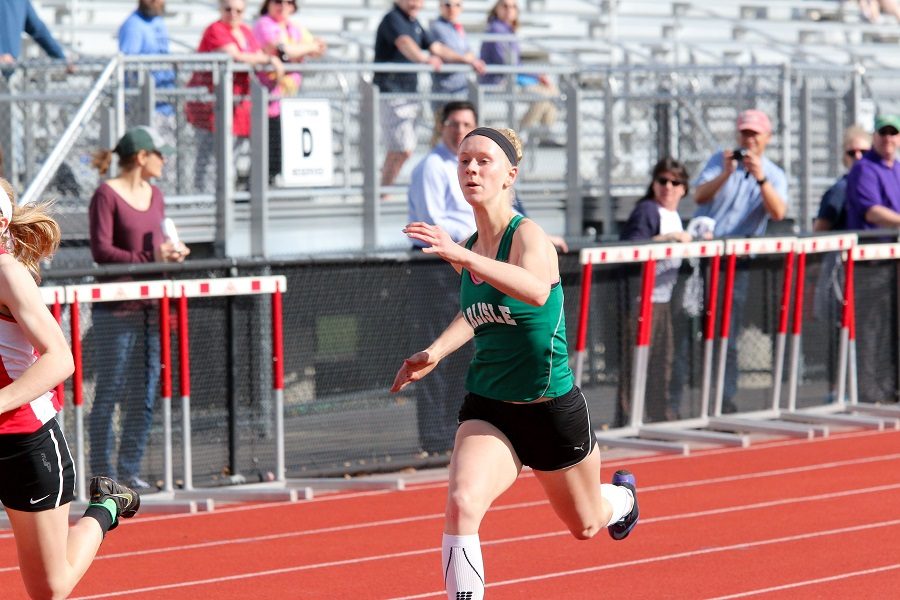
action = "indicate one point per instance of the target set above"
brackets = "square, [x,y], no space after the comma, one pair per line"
[667,269]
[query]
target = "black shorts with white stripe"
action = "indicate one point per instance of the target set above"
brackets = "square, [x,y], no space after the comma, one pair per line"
[547,436]
[36,469]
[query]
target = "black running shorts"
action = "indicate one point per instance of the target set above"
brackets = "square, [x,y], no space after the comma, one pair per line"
[36,469]
[547,436]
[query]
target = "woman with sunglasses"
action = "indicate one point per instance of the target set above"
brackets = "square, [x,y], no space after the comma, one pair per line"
[279,37]
[228,35]
[125,219]
[37,472]
[523,407]
[655,217]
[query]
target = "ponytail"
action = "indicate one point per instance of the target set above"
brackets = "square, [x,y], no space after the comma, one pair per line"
[101,161]
[32,235]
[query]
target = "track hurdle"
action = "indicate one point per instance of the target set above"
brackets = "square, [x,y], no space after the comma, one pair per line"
[272,285]
[646,254]
[159,291]
[757,421]
[826,414]
[861,253]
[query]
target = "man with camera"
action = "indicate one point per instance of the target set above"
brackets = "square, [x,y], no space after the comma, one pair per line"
[741,190]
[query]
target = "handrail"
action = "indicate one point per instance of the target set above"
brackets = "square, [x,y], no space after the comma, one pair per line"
[67,140]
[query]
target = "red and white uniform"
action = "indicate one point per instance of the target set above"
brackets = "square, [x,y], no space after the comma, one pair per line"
[16,355]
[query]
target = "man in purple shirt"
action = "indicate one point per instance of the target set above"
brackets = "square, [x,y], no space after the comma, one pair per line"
[873,202]
[873,185]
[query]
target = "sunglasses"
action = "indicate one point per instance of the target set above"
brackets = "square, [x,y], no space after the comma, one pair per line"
[452,4]
[854,153]
[664,181]
[233,9]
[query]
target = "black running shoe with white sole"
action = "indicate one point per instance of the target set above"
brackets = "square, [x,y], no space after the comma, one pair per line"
[620,529]
[127,500]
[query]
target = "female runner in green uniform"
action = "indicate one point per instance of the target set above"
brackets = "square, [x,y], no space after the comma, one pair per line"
[522,407]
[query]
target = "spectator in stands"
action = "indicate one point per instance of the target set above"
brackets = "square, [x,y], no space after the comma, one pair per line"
[655,217]
[447,30]
[144,32]
[873,184]
[402,39]
[38,482]
[832,216]
[504,20]
[18,17]
[279,37]
[229,35]
[832,211]
[873,202]
[741,190]
[872,9]
[125,218]
[435,197]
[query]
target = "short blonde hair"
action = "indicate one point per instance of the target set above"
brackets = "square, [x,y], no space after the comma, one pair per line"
[856,132]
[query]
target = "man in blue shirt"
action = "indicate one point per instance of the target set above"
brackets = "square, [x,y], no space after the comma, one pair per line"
[741,193]
[144,32]
[435,197]
[17,16]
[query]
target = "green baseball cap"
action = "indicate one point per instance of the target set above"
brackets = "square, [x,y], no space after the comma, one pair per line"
[142,138]
[887,121]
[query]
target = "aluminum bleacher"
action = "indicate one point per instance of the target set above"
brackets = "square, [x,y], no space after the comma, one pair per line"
[579,31]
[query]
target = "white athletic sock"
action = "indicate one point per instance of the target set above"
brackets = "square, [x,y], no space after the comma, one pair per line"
[620,498]
[463,567]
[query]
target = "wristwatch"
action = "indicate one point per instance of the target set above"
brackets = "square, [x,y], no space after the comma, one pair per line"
[762,181]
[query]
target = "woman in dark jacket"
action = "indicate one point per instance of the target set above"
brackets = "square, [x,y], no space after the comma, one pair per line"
[655,217]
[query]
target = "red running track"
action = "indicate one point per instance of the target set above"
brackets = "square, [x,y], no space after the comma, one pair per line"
[787,519]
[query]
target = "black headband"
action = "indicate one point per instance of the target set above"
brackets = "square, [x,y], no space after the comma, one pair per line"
[499,139]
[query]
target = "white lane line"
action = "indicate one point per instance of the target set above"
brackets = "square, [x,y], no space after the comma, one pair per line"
[675,556]
[517,539]
[797,584]
[607,464]
[531,504]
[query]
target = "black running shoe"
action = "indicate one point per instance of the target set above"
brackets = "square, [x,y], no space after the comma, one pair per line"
[620,529]
[127,500]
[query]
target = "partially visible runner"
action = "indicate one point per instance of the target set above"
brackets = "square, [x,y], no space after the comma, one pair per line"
[37,474]
[522,406]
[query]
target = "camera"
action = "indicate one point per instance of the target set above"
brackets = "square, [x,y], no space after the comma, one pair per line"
[738,154]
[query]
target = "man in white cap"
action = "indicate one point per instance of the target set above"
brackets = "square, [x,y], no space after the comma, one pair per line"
[741,190]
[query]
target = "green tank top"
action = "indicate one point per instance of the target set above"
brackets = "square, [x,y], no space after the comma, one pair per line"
[520,349]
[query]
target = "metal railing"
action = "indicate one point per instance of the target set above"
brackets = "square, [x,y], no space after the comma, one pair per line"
[615,122]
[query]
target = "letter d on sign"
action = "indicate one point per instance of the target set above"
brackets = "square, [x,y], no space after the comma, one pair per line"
[307,142]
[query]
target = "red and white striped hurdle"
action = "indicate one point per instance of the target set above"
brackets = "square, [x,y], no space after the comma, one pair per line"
[788,421]
[162,291]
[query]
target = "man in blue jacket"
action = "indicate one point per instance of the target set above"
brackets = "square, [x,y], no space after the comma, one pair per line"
[16,17]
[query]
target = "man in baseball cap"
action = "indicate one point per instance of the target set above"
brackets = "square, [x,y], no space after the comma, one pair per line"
[754,120]
[741,190]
